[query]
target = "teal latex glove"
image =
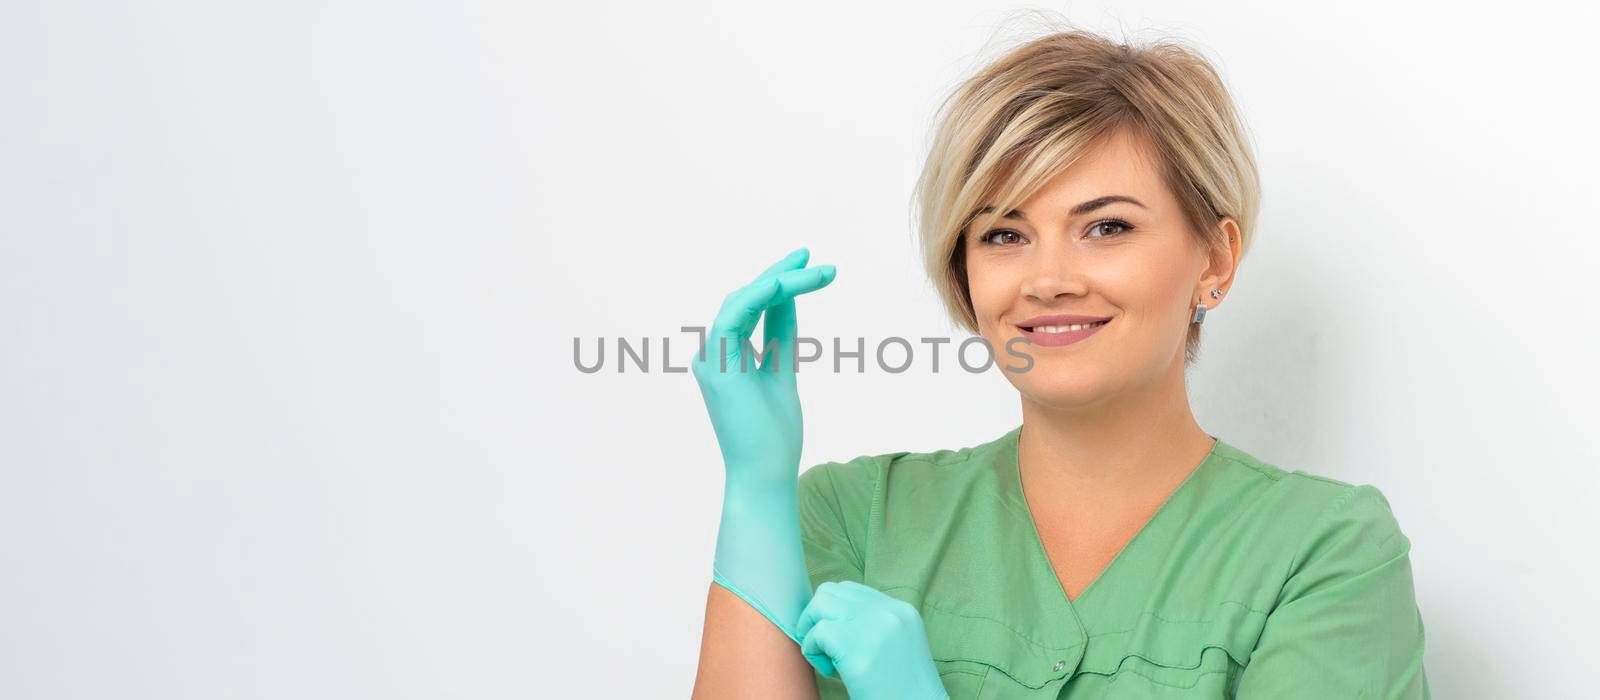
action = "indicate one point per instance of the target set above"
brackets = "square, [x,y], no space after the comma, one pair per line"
[875,643]
[755,412]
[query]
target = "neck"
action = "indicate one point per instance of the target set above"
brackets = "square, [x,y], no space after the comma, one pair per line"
[1118,449]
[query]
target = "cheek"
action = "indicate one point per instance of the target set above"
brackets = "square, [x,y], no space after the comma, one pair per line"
[992,289]
[1153,290]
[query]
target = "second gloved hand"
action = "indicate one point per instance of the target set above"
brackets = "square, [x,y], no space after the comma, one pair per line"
[875,643]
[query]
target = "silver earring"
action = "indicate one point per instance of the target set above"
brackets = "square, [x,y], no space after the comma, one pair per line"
[1200,309]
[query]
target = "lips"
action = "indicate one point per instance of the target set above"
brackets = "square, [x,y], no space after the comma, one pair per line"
[1059,334]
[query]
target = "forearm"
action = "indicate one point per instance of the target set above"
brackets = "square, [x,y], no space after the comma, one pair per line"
[760,587]
[759,556]
[743,655]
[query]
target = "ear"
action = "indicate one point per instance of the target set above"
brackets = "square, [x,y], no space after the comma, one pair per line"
[1221,264]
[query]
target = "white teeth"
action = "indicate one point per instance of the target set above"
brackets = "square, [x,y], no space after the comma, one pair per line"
[1063,329]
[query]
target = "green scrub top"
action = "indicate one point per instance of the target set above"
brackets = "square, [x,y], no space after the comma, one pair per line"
[1249,581]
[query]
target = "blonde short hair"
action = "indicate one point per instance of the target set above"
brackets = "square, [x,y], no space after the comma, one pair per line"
[1004,132]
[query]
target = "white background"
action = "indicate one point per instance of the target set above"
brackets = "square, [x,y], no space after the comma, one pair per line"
[288,291]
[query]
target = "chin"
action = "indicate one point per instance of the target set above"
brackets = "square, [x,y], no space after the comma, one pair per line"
[1055,388]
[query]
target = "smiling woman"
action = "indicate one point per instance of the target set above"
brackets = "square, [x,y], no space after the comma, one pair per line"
[1131,259]
[1093,200]
[1155,123]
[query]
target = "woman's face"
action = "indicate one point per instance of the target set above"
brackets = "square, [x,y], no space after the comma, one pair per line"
[1074,249]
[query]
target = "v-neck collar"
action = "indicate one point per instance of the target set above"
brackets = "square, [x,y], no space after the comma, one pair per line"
[1013,497]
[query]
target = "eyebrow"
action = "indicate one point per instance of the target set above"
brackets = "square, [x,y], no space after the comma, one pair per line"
[1079,210]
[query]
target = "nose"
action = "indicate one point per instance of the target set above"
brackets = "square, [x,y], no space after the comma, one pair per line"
[1051,275]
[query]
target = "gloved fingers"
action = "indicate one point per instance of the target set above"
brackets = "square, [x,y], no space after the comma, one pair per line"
[823,664]
[864,595]
[818,648]
[795,260]
[744,307]
[857,592]
[781,325]
[824,603]
[859,586]
[736,319]
[870,606]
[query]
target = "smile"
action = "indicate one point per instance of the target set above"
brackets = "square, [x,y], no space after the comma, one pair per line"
[1062,334]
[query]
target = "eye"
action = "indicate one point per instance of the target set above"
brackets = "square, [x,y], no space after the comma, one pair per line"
[1117,223]
[988,238]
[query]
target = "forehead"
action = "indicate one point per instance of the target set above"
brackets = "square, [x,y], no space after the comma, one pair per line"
[1123,163]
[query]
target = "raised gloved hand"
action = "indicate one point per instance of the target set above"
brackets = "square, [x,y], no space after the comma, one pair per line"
[755,411]
[875,643]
